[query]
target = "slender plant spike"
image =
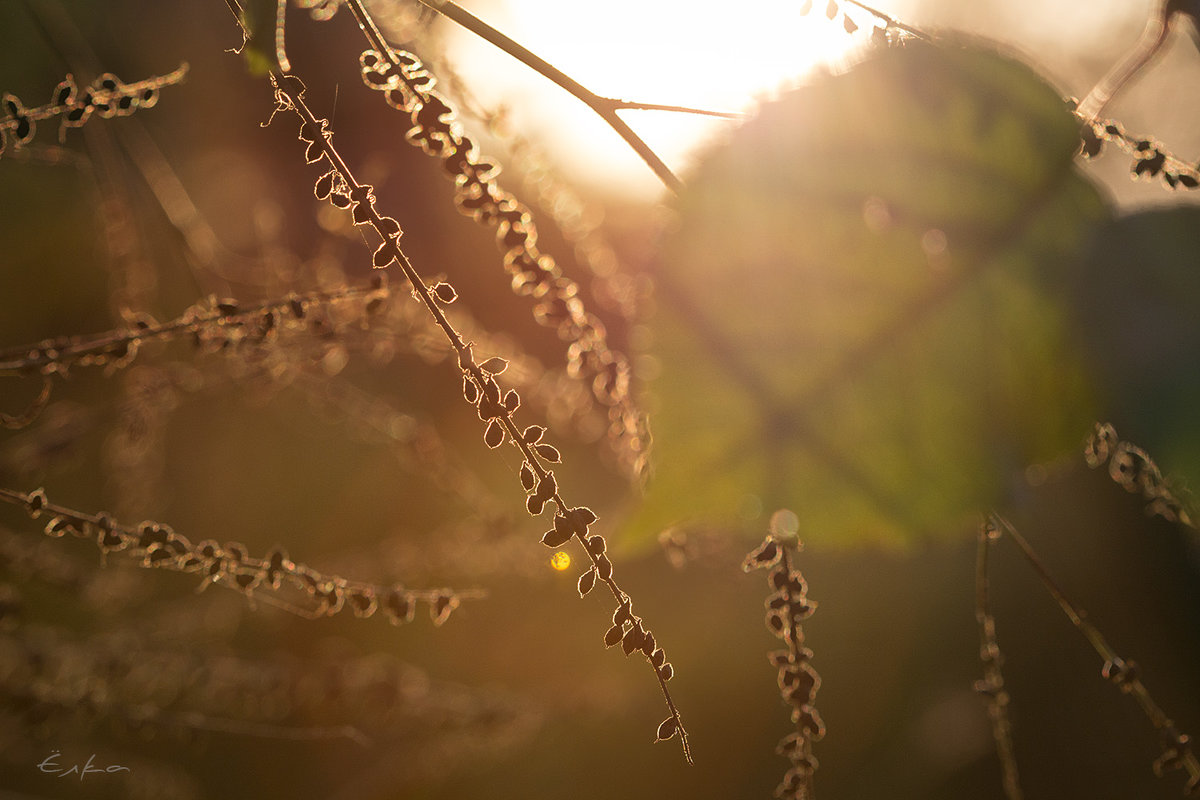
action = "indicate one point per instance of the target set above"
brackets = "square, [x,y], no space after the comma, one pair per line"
[408,86]
[107,97]
[212,324]
[992,685]
[1123,673]
[787,607]
[230,565]
[481,390]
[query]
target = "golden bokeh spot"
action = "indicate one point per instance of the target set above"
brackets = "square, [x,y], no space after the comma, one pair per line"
[560,560]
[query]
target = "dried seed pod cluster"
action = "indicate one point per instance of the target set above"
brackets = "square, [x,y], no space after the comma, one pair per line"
[1132,468]
[408,86]
[106,97]
[156,545]
[213,326]
[480,388]
[787,607]
[1150,159]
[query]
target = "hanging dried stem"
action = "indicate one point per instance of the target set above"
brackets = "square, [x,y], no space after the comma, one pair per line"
[787,607]
[230,565]
[992,685]
[1121,672]
[408,86]
[106,97]
[482,391]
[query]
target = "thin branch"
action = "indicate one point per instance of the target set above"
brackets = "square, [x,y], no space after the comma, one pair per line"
[230,565]
[339,185]
[605,107]
[992,685]
[1123,673]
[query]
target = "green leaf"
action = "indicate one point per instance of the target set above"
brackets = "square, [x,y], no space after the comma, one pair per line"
[859,315]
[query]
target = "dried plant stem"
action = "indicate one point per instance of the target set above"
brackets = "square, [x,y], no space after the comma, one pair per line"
[408,86]
[788,606]
[118,347]
[1123,673]
[992,685]
[107,96]
[229,565]
[1150,43]
[570,522]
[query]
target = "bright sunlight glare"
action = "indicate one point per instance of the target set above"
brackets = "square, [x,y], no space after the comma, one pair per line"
[719,56]
[561,560]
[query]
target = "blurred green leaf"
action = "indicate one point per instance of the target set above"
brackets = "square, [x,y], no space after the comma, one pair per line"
[859,315]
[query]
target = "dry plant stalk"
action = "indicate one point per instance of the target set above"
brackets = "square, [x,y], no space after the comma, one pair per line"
[107,97]
[408,86]
[992,684]
[230,565]
[787,607]
[1123,673]
[481,390]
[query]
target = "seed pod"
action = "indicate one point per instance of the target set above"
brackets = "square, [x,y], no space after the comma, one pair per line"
[612,636]
[548,452]
[586,581]
[384,255]
[561,533]
[494,365]
[527,477]
[493,437]
[666,729]
[324,185]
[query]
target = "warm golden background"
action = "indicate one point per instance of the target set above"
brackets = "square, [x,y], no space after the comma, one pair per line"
[515,696]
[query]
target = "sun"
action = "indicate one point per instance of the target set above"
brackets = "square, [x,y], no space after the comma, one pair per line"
[720,56]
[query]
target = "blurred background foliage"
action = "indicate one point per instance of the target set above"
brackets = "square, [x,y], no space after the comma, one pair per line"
[936,189]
